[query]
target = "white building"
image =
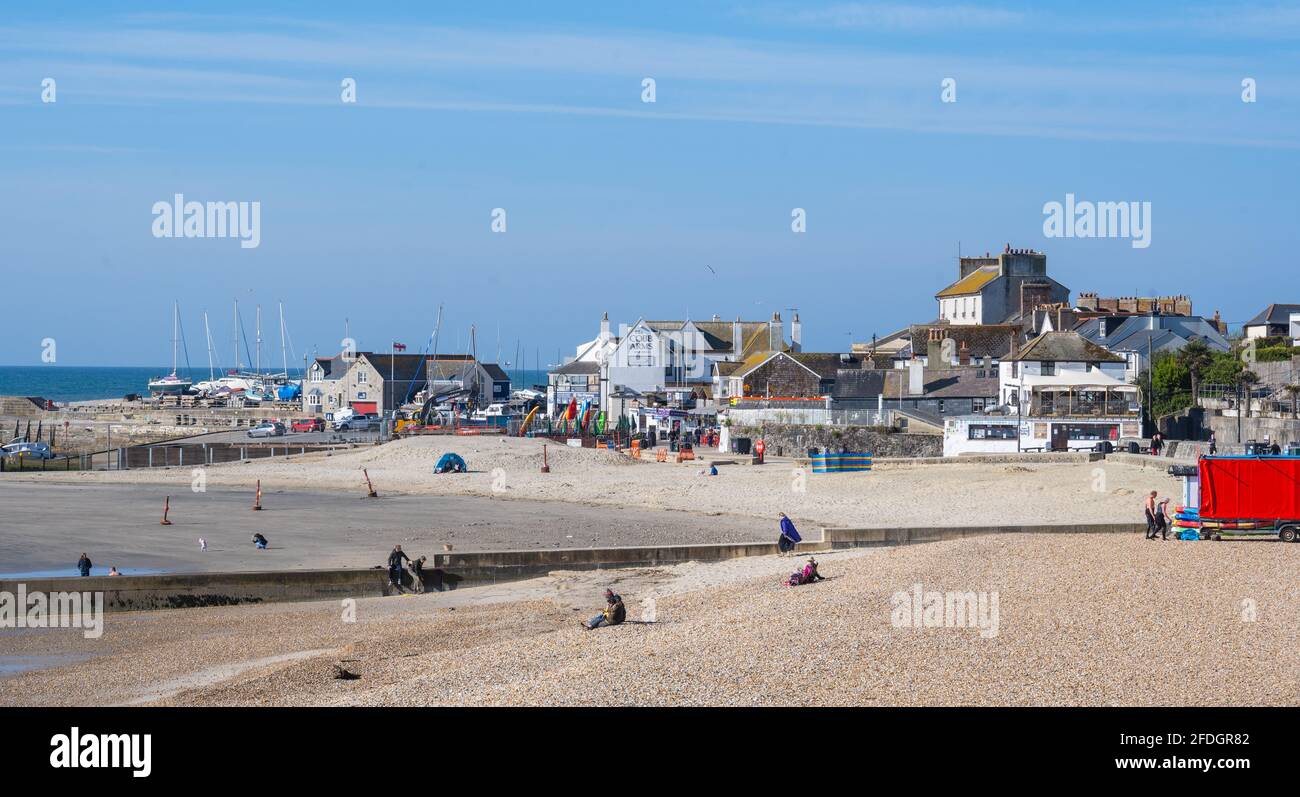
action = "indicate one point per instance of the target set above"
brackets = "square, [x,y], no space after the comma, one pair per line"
[1059,393]
[675,358]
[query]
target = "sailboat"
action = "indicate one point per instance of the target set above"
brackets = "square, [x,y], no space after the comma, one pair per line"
[172,384]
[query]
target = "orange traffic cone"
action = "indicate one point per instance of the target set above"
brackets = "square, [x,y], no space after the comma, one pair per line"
[167,505]
[257,499]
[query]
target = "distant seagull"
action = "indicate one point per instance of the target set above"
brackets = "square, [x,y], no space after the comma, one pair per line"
[710,268]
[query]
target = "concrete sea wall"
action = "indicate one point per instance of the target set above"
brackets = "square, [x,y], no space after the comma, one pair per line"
[459,570]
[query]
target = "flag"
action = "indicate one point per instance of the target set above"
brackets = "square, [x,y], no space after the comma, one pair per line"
[399,347]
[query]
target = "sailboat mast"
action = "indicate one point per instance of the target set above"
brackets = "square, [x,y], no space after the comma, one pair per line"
[207,332]
[235,335]
[259,340]
[284,356]
[176,332]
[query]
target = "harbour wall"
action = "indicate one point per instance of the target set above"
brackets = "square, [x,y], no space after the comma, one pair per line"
[452,571]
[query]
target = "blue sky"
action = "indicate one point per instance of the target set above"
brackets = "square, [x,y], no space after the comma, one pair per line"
[379,211]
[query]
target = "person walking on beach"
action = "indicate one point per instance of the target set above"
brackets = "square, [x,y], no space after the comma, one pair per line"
[84,564]
[417,573]
[395,567]
[789,536]
[1157,522]
[615,612]
[1150,509]
[1157,443]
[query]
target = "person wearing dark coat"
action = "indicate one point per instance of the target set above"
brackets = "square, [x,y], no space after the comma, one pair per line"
[84,564]
[789,536]
[614,613]
[395,566]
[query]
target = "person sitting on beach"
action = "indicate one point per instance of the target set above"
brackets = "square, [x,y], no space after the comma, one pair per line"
[789,536]
[260,541]
[112,571]
[395,566]
[614,613]
[810,573]
[84,564]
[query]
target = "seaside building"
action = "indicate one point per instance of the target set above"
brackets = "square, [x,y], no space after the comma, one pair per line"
[676,362]
[323,393]
[376,382]
[1273,321]
[999,289]
[1139,338]
[1060,392]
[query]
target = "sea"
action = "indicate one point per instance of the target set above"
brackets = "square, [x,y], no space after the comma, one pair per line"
[88,383]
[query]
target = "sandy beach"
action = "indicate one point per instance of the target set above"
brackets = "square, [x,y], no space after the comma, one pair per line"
[895,494]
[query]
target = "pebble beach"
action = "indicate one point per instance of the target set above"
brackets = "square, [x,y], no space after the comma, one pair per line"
[1082,619]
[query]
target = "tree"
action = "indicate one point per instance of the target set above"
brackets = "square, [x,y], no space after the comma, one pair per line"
[1293,390]
[1246,378]
[1195,357]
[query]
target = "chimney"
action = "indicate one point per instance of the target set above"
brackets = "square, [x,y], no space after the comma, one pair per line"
[775,332]
[796,334]
[737,339]
[934,349]
[915,378]
[604,326]
[963,354]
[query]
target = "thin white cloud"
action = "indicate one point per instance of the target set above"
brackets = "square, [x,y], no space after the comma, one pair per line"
[1093,95]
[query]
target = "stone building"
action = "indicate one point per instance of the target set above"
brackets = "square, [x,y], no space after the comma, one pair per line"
[999,289]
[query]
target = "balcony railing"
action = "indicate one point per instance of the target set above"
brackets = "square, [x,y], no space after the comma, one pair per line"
[1084,404]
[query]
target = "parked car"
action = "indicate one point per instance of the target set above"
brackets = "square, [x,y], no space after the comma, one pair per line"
[267,429]
[308,425]
[27,450]
[357,423]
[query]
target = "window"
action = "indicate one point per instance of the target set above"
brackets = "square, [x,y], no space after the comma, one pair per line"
[316,374]
[992,432]
[940,406]
[361,377]
[1048,368]
[977,405]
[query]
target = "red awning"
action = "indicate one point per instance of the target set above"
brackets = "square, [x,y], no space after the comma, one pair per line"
[366,407]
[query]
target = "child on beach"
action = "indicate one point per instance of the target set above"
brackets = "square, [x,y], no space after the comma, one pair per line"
[259,541]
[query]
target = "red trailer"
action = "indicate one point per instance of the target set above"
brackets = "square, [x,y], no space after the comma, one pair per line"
[1240,492]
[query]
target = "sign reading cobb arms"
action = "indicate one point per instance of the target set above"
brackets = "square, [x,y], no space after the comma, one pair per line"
[663,412]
